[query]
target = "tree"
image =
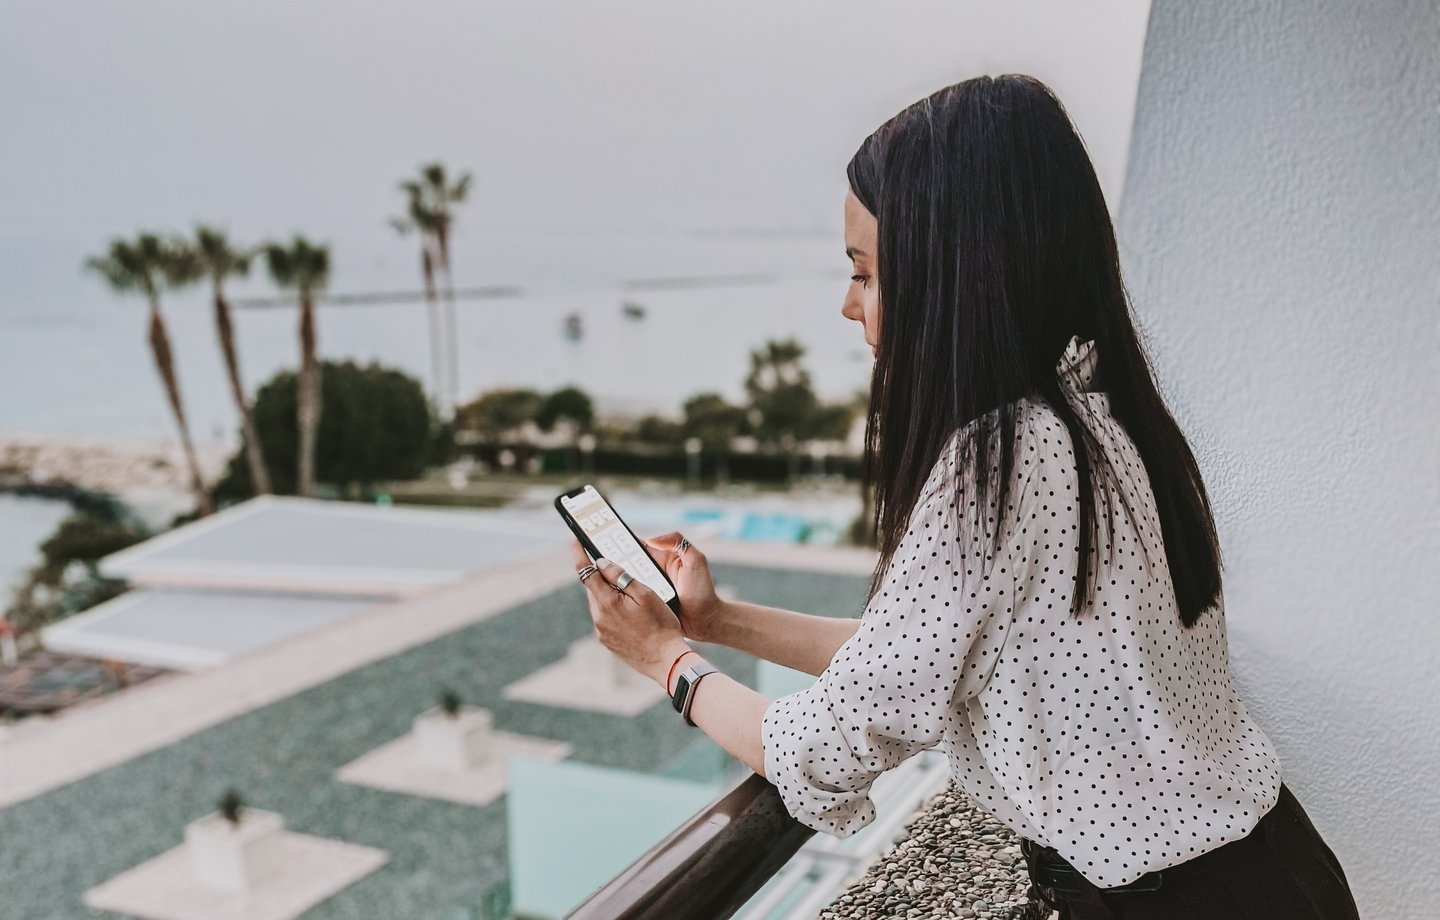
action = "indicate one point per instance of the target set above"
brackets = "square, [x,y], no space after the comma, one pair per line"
[67,579]
[418,218]
[86,539]
[830,422]
[568,403]
[376,425]
[431,202]
[144,266]
[712,419]
[305,268]
[498,413]
[781,400]
[658,430]
[219,260]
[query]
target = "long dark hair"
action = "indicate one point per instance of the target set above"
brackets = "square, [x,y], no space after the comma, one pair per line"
[994,247]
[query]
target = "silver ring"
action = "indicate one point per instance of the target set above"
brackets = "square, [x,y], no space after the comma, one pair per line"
[587,572]
[682,546]
[624,579]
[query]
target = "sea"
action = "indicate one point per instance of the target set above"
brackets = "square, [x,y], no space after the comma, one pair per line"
[660,316]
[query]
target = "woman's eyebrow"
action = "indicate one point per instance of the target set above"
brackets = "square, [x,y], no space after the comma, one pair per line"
[851,252]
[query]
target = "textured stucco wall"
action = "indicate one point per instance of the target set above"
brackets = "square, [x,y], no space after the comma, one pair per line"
[1281,235]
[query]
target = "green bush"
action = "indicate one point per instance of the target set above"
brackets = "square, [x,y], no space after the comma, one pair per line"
[375,425]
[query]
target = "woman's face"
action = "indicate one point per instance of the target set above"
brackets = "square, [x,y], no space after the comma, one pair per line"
[862,298]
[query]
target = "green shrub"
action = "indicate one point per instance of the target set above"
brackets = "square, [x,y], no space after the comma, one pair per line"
[375,425]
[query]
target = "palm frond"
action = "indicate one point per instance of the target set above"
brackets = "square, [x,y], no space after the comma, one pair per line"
[434,175]
[460,189]
[125,268]
[300,265]
[219,256]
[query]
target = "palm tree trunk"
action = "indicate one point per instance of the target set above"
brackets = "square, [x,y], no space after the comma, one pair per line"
[453,394]
[259,475]
[437,335]
[307,387]
[165,364]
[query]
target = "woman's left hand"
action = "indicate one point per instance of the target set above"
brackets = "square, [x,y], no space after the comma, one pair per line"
[634,624]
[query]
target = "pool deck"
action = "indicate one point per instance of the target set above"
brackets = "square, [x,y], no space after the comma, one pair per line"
[105,786]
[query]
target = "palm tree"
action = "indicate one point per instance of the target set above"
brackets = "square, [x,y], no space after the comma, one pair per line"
[419,219]
[434,197]
[219,260]
[145,266]
[305,268]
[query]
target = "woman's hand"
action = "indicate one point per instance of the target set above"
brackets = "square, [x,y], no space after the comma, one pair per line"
[635,623]
[701,610]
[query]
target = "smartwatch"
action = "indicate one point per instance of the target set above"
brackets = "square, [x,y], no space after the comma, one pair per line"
[684,696]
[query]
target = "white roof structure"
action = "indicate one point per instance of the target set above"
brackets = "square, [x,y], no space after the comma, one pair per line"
[275,567]
[283,543]
[188,630]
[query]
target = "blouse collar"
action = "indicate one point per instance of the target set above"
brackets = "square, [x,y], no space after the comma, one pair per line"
[1076,367]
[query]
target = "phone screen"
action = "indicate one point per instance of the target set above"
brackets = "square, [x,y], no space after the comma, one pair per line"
[613,539]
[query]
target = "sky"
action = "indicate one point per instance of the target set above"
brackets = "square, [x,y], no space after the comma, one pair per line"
[633,114]
[607,142]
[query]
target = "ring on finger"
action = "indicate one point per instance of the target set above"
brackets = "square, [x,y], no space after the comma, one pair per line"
[587,572]
[623,581]
[682,546]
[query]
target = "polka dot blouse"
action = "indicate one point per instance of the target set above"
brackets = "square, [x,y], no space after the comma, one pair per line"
[1117,739]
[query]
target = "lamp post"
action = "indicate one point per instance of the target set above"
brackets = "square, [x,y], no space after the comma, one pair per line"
[586,442]
[818,453]
[692,460]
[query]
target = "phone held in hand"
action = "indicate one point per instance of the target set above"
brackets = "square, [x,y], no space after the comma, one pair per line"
[602,533]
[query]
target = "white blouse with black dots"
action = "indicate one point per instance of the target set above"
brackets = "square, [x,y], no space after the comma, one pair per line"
[1118,739]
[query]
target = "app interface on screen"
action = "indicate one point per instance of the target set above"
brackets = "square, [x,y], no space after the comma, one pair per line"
[613,539]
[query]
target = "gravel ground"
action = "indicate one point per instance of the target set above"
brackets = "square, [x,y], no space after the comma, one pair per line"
[952,861]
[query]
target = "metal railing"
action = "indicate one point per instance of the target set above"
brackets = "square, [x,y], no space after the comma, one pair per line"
[712,866]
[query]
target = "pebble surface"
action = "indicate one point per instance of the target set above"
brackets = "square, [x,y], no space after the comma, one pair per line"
[951,860]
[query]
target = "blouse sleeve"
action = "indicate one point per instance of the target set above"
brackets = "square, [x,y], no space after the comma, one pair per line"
[930,637]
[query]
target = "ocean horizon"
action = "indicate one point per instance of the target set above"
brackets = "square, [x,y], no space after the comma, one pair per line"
[75,363]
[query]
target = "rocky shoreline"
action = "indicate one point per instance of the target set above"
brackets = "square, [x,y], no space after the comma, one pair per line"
[953,860]
[149,477]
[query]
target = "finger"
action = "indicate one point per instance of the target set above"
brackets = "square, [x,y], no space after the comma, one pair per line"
[578,554]
[673,558]
[602,590]
[612,572]
[666,542]
[609,571]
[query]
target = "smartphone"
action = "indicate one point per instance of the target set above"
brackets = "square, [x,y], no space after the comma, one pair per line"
[602,533]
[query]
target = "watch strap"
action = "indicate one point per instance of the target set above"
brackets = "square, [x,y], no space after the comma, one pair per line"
[685,687]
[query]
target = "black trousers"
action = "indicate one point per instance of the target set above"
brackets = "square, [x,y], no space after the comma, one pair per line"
[1282,870]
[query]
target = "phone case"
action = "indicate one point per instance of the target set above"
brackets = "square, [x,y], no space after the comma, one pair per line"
[594,552]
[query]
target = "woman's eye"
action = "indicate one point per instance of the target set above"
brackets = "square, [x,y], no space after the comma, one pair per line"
[859,278]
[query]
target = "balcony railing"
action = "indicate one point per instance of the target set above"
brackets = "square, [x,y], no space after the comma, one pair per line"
[711,867]
[708,867]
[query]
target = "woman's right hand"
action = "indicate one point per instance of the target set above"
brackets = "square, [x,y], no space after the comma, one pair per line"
[701,609]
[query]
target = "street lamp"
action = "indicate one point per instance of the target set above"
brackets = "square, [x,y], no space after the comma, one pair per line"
[586,443]
[692,457]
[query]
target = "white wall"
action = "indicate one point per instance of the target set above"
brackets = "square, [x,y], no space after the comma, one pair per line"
[1279,230]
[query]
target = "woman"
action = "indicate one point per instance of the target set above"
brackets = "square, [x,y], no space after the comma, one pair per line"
[1047,601]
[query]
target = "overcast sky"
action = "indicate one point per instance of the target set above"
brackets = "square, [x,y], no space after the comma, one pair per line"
[268,115]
